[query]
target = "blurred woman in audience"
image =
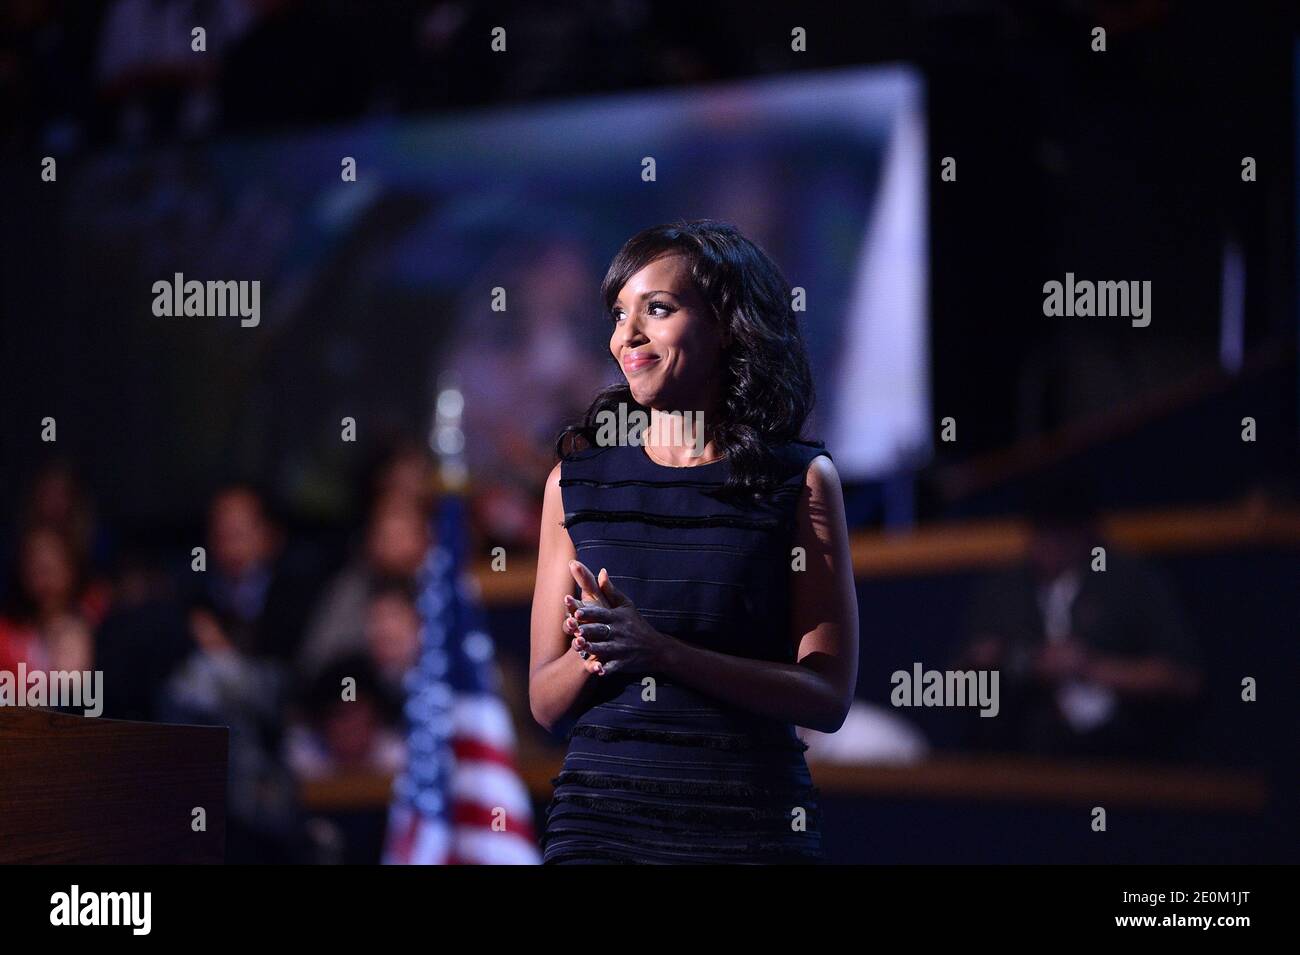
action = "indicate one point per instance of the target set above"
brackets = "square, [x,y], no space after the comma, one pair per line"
[392,633]
[350,723]
[52,611]
[58,499]
[405,470]
[396,540]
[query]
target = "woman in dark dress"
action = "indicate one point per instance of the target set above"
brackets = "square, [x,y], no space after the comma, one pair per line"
[717,609]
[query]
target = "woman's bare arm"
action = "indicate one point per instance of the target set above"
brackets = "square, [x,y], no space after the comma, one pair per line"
[817,690]
[557,677]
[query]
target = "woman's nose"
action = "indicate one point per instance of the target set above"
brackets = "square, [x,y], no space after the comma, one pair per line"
[630,331]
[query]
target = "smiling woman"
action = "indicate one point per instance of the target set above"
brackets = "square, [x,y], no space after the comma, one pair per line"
[687,662]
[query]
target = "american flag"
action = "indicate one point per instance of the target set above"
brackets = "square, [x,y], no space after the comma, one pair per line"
[459,799]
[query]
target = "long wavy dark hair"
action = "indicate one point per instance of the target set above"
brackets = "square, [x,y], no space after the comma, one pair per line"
[767,386]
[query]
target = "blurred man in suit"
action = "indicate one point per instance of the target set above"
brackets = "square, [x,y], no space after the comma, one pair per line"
[254,583]
[1094,662]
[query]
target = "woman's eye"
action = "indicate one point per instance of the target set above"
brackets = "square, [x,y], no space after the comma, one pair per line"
[654,308]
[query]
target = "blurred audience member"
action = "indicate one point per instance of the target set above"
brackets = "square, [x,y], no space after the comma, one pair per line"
[396,539]
[58,499]
[1092,662]
[351,724]
[143,638]
[406,471]
[220,686]
[52,611]
[393,633]
[250,580]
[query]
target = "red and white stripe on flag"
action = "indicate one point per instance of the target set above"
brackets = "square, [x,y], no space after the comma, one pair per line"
[491,810]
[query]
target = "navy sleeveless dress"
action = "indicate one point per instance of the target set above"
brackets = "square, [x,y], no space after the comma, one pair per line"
[657,772]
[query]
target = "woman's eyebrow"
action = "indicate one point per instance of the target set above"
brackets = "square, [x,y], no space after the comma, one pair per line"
[645,295]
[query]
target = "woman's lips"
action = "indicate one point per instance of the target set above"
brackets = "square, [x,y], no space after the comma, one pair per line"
[636,362]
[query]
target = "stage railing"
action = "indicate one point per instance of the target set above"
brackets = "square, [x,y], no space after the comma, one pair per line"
[981,544]
[1004,779]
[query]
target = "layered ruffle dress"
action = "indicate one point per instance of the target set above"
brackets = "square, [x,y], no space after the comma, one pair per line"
[657,772]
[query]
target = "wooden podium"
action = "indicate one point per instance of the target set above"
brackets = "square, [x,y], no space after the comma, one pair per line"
[75,789]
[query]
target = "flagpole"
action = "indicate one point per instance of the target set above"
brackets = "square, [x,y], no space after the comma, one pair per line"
[459,799]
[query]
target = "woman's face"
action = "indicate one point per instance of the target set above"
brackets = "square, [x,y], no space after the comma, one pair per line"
[393,633]
[47,570]
[397,541]
[665,338]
